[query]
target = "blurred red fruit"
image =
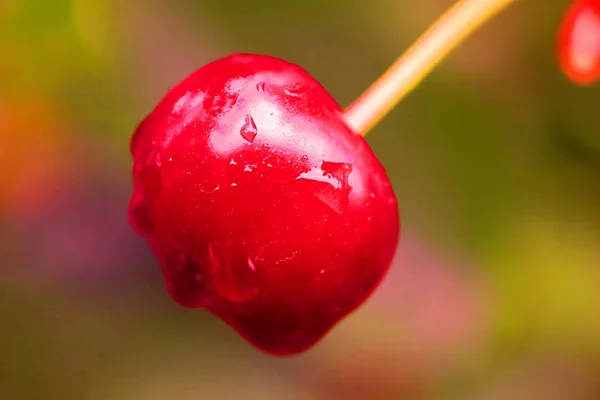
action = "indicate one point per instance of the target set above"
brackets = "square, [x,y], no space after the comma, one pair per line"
[579,42]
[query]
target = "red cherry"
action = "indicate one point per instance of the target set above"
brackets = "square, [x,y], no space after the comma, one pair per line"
[261,204]
[579,42]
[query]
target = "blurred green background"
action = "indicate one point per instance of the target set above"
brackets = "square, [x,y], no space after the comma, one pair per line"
[495,160]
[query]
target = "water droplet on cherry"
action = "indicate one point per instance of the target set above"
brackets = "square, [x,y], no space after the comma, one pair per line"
[232,276]
[294,90]
[249,130]
[339,171]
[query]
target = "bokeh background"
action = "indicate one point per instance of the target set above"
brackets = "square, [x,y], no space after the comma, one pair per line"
[495,160]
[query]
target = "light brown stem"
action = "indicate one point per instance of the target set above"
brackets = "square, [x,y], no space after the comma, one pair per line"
[415,64]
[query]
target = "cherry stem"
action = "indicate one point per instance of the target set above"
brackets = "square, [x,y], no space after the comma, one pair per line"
[451,29]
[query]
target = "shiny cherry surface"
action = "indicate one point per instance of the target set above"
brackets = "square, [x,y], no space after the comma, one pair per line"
[579,42]
[260,203]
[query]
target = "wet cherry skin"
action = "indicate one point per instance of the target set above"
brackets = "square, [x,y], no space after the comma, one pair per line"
[579,42]
[260,203]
